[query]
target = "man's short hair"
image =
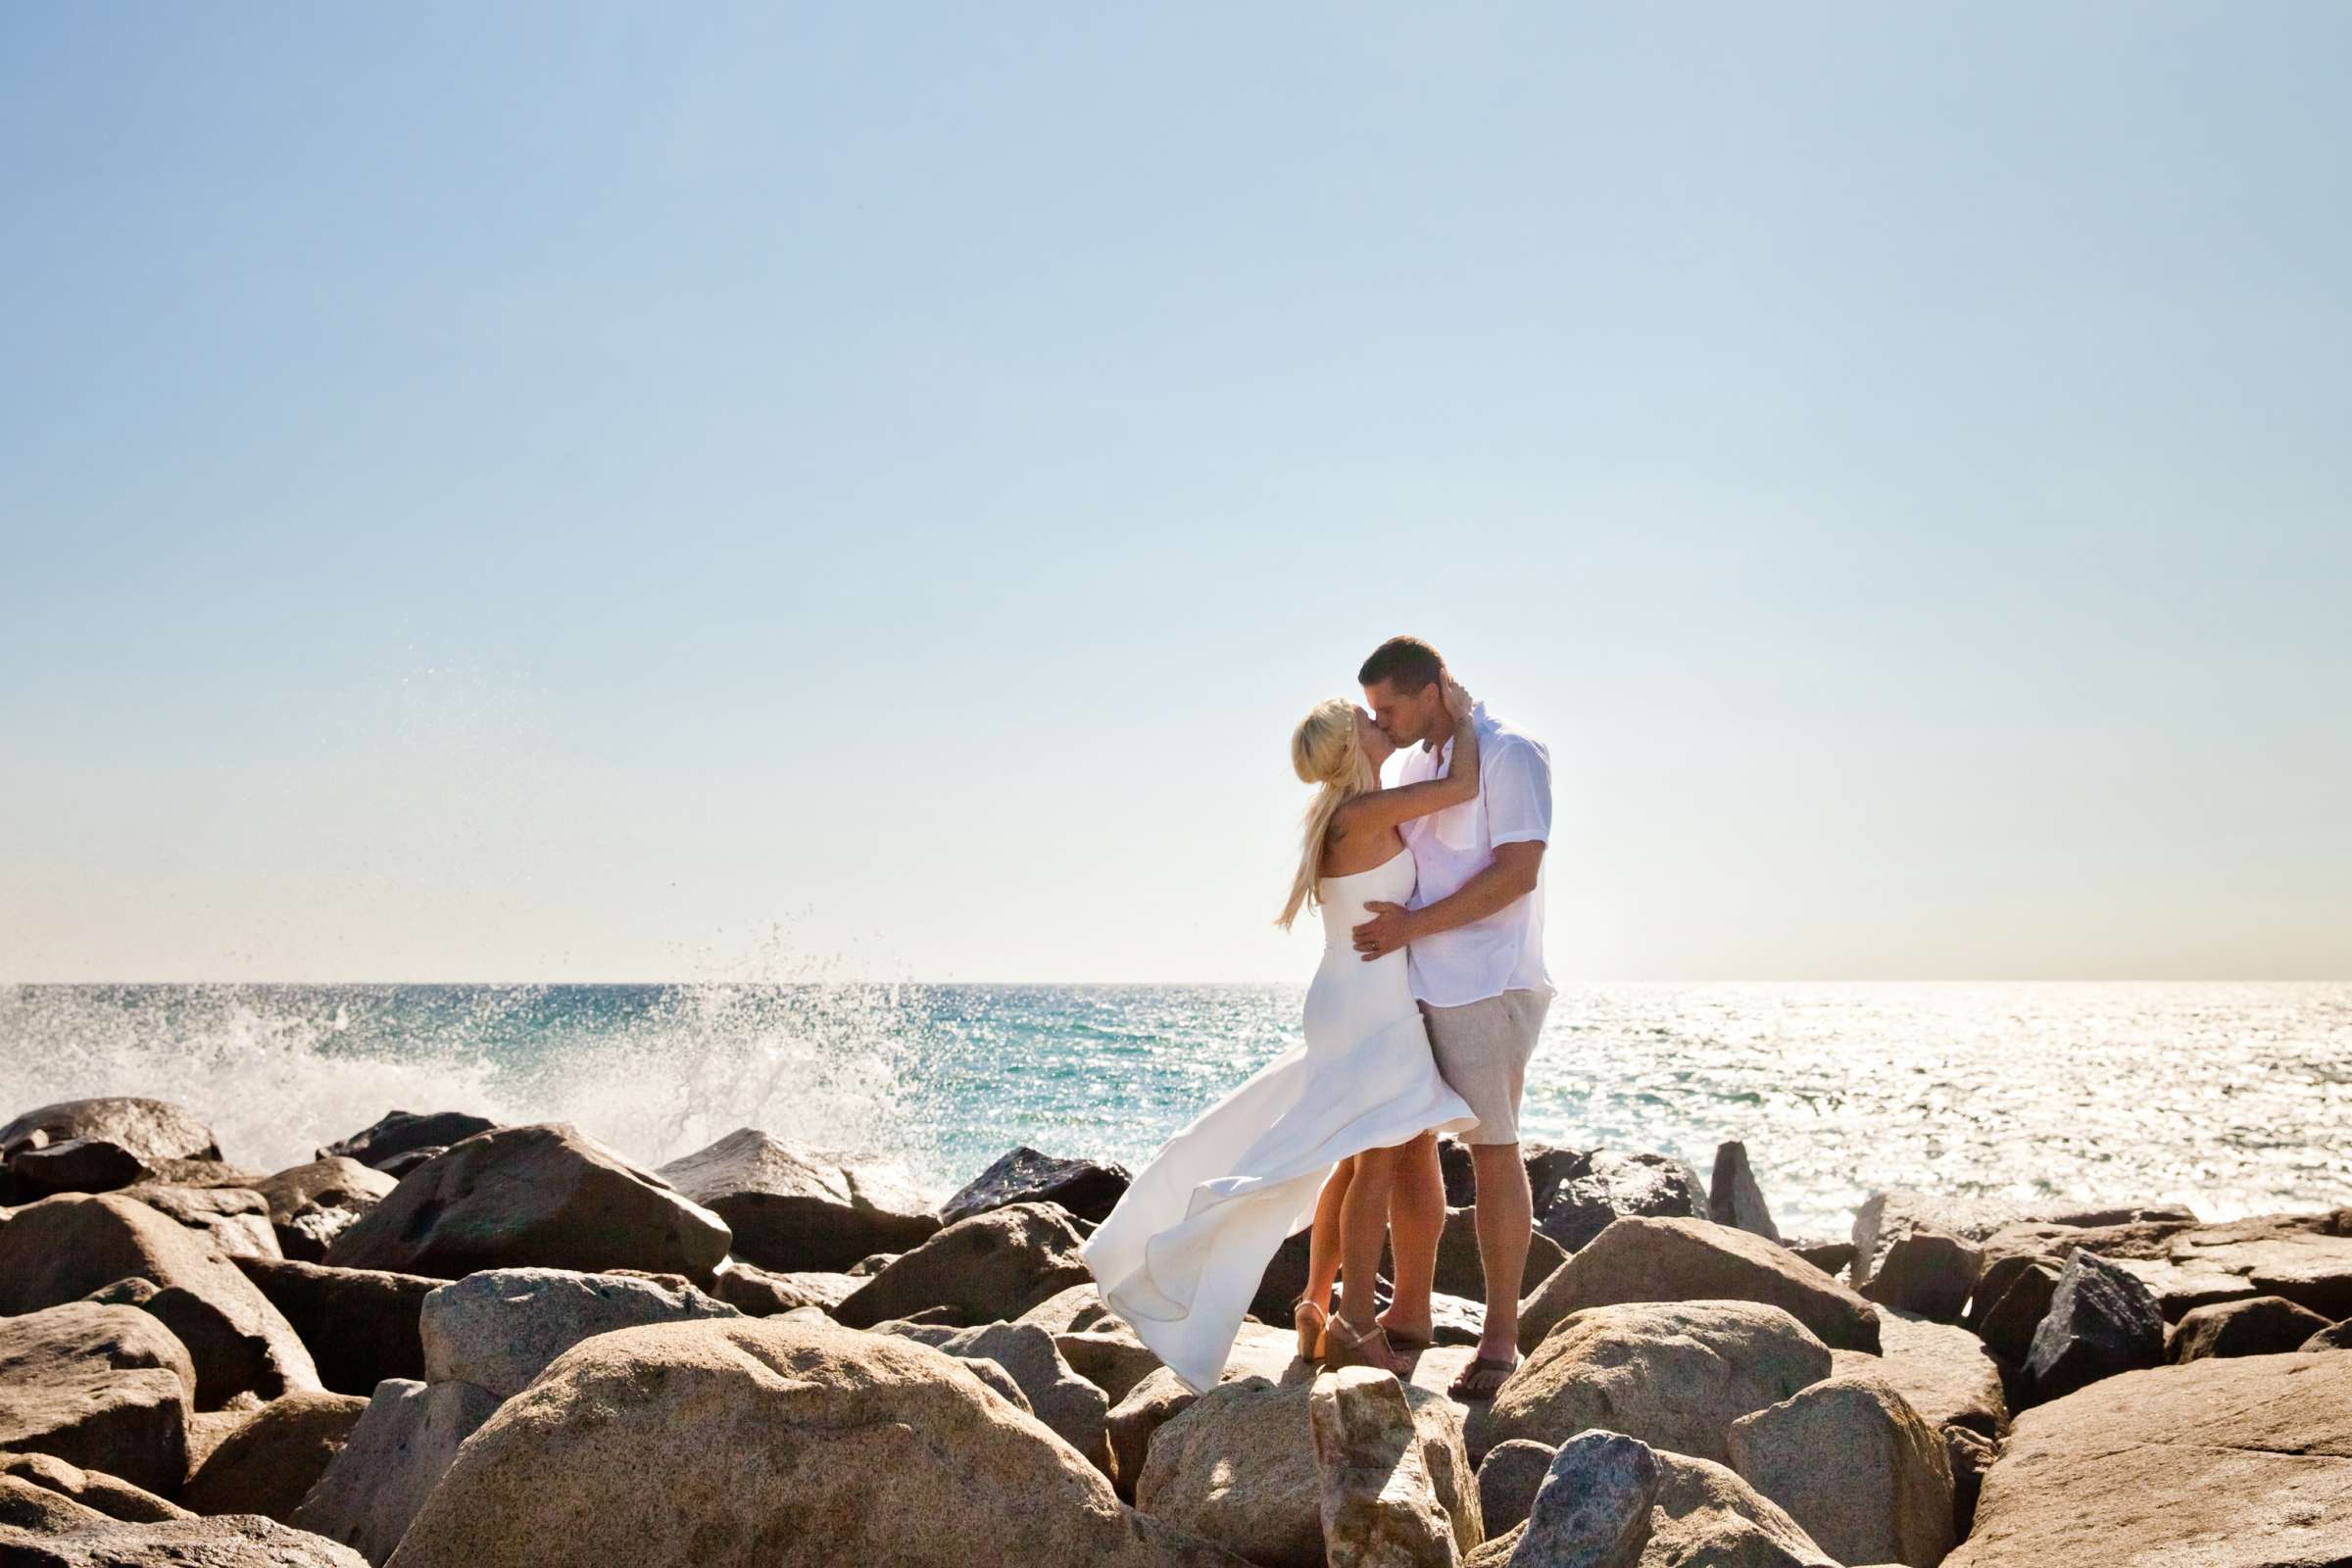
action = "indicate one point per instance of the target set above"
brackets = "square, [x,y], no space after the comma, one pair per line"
[1407,664]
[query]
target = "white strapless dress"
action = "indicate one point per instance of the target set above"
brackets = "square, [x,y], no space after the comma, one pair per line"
[1185,1249]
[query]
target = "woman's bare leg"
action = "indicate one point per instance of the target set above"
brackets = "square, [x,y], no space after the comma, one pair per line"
[1323,1242]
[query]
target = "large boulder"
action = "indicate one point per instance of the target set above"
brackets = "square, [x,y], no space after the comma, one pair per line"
[1943,1371]
[1089,1189]
[1580,1192]
[1073,1409]
[102,1388]
[229,1363]
[793,1211]
[1108,1356]
[1382,1507]
[233,1219]
[2306,1259]
[541,1195]
[1260,1351]
[111,1495]
[1592,1508]
[1073,1309]
[775,1442]
[74,1165]
[2102,1320]
[89,1539]
[2010,1303]
[1238,1467]
[399,1133]
[391,1459]
[1684,1261]
[500,1328]
[1925,1271]
[1508,1478]
[312,1204]
[1136,1417]
[1701,1515]
[1852,1463]
[1734,1196]
[2224,1463]
[268,1464]
[62,1249]
[148,1130]
[1674,1374]
[1887,1217]
[361,1325]
[2261,1325]
[991,1267]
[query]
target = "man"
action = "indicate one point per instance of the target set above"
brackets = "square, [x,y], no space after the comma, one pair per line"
[1474,940]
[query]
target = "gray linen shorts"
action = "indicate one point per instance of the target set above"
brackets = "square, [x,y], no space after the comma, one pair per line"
[1483,1049]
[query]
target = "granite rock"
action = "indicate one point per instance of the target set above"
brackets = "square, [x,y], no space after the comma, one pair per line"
[497,1329]
[795,1210]
[543,1195]
[1685,1259]
[1089,1189]
[1672,1374]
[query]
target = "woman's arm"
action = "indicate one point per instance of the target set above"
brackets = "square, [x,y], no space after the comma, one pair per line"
[1394,807]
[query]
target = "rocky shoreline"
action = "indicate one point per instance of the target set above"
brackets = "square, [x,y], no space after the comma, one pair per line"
[444,1344]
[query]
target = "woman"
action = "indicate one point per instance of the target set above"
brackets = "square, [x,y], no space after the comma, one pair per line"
[1314,1137]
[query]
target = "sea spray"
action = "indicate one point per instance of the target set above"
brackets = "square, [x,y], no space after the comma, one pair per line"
[661,1075]
[656,1071]
[275,1070]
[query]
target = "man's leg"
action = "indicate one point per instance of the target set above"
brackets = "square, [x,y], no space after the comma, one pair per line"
[1506,1215]
[1483,1049]
[1416,1218]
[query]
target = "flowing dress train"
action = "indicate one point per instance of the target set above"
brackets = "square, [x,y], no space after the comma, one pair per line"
[1184,1251]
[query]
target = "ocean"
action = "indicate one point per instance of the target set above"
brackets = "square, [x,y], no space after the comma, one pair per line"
[2234,1099]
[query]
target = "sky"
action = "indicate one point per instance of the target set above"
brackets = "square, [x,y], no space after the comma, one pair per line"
[602,492]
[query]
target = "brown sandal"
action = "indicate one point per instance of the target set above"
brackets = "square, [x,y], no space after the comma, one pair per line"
[1310,1339]
[1482,1367]
[1358,1348]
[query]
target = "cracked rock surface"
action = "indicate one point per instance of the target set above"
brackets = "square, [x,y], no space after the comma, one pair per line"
[2240,1463]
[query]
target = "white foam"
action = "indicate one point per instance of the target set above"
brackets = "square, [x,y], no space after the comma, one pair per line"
[276,1071]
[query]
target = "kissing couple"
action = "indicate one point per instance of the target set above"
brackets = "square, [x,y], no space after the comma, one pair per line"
[1421,1020]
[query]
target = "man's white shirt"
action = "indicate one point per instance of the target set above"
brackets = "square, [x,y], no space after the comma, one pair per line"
[1504,951]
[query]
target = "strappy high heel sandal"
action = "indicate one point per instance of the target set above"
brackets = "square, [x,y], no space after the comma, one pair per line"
[1345,1346]
[1310,1318]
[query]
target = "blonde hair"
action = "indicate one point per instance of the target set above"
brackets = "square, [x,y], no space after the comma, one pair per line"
[1324,752]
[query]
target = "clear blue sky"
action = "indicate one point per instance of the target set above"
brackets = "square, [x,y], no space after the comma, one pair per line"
[599,491]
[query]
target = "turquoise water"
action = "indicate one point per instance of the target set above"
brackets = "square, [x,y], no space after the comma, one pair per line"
[2234,1099]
